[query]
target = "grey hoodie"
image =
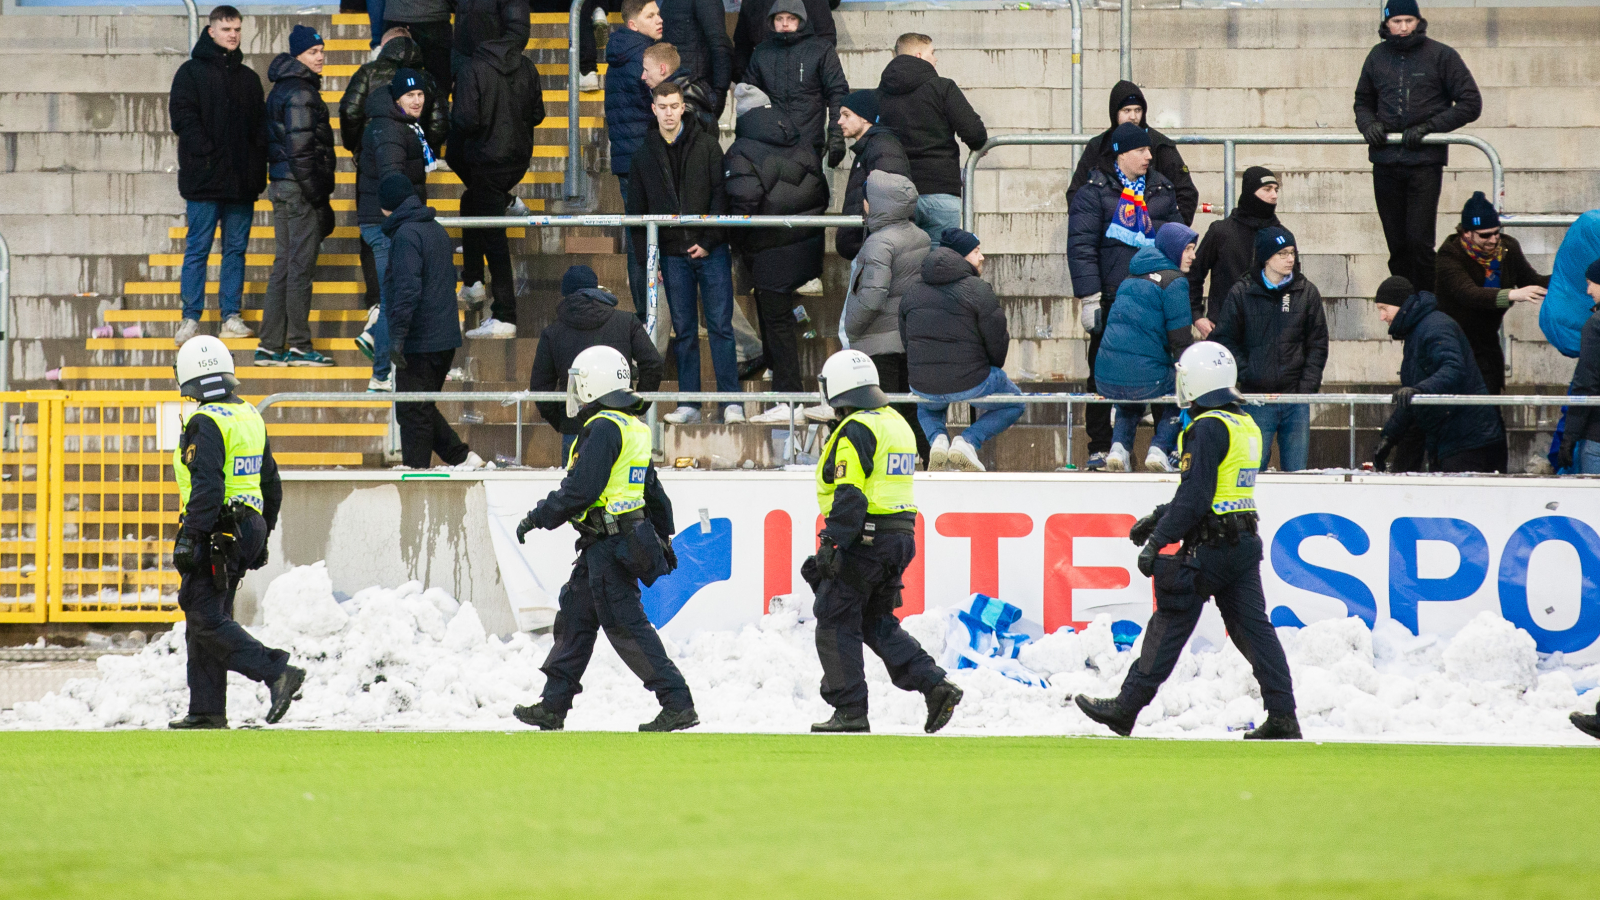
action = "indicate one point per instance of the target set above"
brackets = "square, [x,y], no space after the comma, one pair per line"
[889,264]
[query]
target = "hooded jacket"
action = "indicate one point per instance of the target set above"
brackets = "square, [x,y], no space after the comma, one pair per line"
[628,115]
[927,113]
[1164,158]
[888,266]
[952,326]
[421,280]
[410,12]
[399,53]
[1478,309]
[684,180]
[755,25]
[480,21]
[1278,336]
[769,171]
[876,151]
[801,73]
[498,103]
[1438,360]
[299,137]
[1099,263]
[389,145]
[1414,80]
[589,318]
[699,29]
[217,110]
[1582,422]
[1147,328]
[1227,253]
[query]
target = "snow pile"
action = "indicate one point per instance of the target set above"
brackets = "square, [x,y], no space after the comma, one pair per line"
[411,658]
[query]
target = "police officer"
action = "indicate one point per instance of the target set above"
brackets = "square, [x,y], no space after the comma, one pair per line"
[868,539]
[1214,515]
[228,495]
[624,522]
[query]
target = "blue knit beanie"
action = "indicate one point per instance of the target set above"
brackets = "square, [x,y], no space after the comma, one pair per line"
[962,242]
[576,279]
[303,38]
[1129,136]
[394,189]
[1270,240]
[404,82]
[1479,213]
[1593,272]
[1392,8]
[1172,238]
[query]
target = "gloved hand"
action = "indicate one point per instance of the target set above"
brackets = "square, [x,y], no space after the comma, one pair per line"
[1380,457]
[1147,558]
[1403,396]
[183,551]
[397,358]
[260,562]
[829,559]
[1089,312]
[1414,135]
[668,552]
[1145,527]
[325,217]
[1376,134]
[835,149]
[1564,456]
[526,525]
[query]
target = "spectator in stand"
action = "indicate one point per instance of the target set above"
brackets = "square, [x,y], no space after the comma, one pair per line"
[927,113]
[498,103]
[588,317]
[300,162]
[956,341]
[755,25]
[1416,86]
[699,31]
[876,150]
[628,115]
[218,113]
[1580,439]
[1228,250]
[802,75]
[428,23]
[888,266]
[1273,323]
[1146,332]
[770,170]
[1437,360]
[678,171]
[663,63]
[424,327]
[1128,106]
[1117,212]
[480,21]
[1481,272]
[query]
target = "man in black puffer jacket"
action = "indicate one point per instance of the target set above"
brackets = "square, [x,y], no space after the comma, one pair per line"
[802,75]
[301,163]
[1228,251]
[1437,360]
[1128,105]
[927,113]
[876,149]
[699,29]
[755,25]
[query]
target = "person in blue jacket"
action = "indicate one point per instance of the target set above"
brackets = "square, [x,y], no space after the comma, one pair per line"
[628,115]
[1148,328]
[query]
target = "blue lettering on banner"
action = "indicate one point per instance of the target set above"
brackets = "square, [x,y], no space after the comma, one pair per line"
[1296,572]
[1407,588]
[1514,581]
[247,465]
[902,463]
[703,558]
[636,474]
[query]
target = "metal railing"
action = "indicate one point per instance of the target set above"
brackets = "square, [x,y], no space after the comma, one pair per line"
[572,180]
[194,28]
[1535,221]
[1125,34]
[5,314]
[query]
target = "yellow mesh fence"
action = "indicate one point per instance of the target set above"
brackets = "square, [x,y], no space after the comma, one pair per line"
[24,519]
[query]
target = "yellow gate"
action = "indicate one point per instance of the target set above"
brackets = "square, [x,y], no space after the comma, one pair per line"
[24,506]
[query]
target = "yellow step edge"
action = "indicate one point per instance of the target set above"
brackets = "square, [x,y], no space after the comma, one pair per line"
[562,19]
[317,459]
[250,287]
[211,315]
[244,344]
[332,98]
[445,204]
[345,70]
[266,232]
[561,69]
[362,44]
[175,260]
[244,373]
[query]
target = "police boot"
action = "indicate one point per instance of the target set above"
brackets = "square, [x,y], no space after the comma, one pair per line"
[1588,724]
[194,722]
[672,720]
[942,699]
[540,717]
[1108,712]
[1279,726]
[284,691]
[843,722]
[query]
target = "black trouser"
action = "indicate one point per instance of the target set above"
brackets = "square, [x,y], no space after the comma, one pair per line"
[1097,417]
[602,593]
[485,198]
[894,377]
[433,39]
[858,608]
[216,643]
[775,320]
[1408,204]
[588,53]
[1231,574]
[423,429]
[1489,458]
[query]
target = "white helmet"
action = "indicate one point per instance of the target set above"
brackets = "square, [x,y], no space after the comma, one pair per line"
[599,373]
[849,378]
[205,368]
[1207,374]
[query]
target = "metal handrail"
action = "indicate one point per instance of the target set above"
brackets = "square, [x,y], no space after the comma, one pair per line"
[194,27]
[1534,221]
[1125,34]
[5,314]
[572,181]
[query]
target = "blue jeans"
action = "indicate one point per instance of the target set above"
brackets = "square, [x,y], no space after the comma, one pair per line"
[636,274]
[1292,425]
[1586,458]
[375,20]
[993,419]
[204,216]
[712,279]
[379,242]
[1127,425]
[936,212]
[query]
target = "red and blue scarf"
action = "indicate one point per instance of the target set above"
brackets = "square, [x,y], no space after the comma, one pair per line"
[1131,224]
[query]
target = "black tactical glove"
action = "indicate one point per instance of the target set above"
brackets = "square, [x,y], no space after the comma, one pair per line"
[1147,558]
[1380,458]
[325,217]
[1376,134]
[397,358]
[1145,527]
[1402,397]
[1412,139]
[669,553]
[829,558]
[183,551]
[260,562]
[835,148]
[1564,456]
[526,525]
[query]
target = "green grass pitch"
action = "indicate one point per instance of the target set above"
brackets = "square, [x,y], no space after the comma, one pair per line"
[283,814]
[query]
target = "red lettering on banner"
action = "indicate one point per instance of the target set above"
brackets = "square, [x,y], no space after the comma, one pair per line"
[985,531]
[778,558]
[1062,577]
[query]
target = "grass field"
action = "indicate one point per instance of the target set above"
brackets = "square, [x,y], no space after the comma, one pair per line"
[268,814]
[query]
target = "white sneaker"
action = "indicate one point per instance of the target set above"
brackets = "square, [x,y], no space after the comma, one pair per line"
[473,461]
[778,415]
[235,327]
[1117,459]
[589,83]
[472,296]
[1156,460]
[733,414]
[683,415]
[187,328]
[385,386]
[822,412]
[494,329]
[963,458]
[812,288]
[939,454]
[372,317]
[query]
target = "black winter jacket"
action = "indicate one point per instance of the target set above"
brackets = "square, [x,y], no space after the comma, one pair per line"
[699,29]
[1438,360]
[801,73]
[696,99]
[755,25]
[498,103]
[399,53]
[770,171]
[684,181]
[1278,337]
[589,318]
[952,326]
[1164,158]
[217,111]
[299,136]
[877,150]
[1099,263]
[628,115]
[1227,253]
[927,113]
[480,21]
[1458,281]
[1582,422]
[422,282]
[390,145]
[1411,81]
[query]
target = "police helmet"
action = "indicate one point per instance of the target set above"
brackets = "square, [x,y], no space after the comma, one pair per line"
[205,369]
[1206,375]
[850,379]
[600,374]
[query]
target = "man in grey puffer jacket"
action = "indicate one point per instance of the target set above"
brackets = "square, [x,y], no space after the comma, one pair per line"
[889,265]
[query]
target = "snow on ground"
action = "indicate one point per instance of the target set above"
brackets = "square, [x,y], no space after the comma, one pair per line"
[410,658]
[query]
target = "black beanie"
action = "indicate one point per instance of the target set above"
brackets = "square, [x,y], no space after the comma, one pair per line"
[962,242]
[578,278]
[1392,8]
[393,190]
[1255,178]
[404,82]
[1394,291]
[1593,272]
[1479,213]
[863,103]
[1128,136]
[1270,240]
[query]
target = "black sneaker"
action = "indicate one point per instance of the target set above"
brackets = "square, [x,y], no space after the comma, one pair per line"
[672,720]
[540,718]
[751,369]
[1095,463]
[284,692]
[193,722]
[1279,726]
[942,700]
[1588,724]
[843,723]
[1108,713]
